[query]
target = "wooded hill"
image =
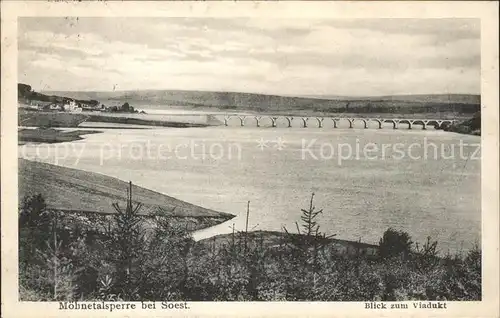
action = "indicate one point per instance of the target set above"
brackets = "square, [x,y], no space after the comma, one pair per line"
[26,94]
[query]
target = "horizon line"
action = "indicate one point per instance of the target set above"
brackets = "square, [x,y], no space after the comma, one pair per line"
[259,93]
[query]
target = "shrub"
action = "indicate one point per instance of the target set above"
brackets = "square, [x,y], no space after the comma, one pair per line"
[462,279]
[394,243]
[165,267]
[35,227]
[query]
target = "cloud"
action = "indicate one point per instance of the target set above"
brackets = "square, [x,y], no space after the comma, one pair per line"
[445,30]
[362,57]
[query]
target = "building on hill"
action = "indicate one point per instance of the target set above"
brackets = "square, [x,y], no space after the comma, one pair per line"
[39,105]
[55,106]
[89,106]
[71,106]
[43,105]
[35,104]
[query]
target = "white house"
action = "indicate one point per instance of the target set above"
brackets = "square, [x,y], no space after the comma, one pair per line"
[72,106]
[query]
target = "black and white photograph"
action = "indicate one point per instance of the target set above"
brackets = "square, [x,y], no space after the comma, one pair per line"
[248,159]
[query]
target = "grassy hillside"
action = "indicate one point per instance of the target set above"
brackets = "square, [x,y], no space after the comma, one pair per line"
[467,104]
[50,119]
[75,190]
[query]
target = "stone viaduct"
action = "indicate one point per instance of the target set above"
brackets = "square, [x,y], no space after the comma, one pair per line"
[257,121]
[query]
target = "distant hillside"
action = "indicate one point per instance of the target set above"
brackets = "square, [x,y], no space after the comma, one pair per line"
[435,98]
[198,98]
[462,104]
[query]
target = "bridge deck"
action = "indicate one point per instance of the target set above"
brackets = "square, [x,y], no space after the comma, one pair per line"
[319,121]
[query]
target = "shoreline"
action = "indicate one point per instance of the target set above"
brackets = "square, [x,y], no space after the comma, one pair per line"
[127,119]
[51,135]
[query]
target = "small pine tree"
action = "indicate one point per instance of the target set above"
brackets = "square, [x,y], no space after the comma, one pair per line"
[127,244]
[60,272]
[426,258]
[310,240]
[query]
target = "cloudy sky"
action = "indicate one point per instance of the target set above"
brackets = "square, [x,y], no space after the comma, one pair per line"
[275,56]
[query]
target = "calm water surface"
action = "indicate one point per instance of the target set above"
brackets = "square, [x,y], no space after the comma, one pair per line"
[222,168]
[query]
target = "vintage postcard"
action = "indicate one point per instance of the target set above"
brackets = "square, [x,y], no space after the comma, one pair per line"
[264,159]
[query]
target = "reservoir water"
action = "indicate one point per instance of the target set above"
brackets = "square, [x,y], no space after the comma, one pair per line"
[424,182]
